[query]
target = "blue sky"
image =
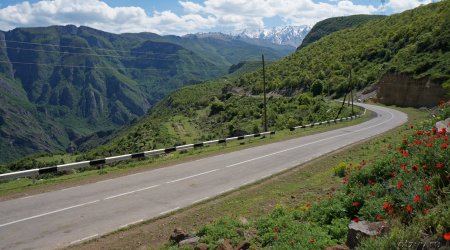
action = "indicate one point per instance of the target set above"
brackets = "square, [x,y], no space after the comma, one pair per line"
[187,16]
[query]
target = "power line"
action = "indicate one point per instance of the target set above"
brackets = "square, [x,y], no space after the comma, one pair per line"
[100,67]
[99,55]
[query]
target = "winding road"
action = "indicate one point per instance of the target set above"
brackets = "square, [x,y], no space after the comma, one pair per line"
[60,218]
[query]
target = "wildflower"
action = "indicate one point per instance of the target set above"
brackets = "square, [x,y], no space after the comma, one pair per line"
[415,168]
[292,242]
[418,142]
[356,219]
[425,211]
[355,203]
[444,145]
[409,208]
[439,165]
[405,141]
[312,241]
[445,138]
[416,199]
[434,129]
[427,188]
[372,193]
[392,174]
[419,132]
[429,144]
[379,217]
[400,184]
[446,236]
[275,230]
[386,205]
[403,166]
[390,211]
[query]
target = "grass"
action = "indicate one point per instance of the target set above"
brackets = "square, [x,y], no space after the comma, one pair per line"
[294,188]
[27,186]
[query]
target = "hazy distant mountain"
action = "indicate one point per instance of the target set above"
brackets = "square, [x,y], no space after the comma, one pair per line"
[288,35]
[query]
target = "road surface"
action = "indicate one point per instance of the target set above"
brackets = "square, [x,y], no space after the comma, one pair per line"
[60,218]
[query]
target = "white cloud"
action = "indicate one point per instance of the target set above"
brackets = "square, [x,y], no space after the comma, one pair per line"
[98,14]
[226,15]
[402,5]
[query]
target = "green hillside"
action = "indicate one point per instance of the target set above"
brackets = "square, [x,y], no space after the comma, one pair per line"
[334,24]
[415,43]
[71,82]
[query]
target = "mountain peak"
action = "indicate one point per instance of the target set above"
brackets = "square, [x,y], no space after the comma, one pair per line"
[282,35]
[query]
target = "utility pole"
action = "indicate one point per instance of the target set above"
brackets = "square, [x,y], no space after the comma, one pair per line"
[264,90]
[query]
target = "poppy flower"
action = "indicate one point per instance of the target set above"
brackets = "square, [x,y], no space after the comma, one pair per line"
[429,144]
[439,165]
[356,219]
[445,138]
[444,145]
[386,205]
[446,236]
[275,230]
[415,168]
[392,174]
[416,199]
[409,208]
[355,203]
[312,241]
[400,184]
[379,217]
[405,141]
[425,211]
[427,188]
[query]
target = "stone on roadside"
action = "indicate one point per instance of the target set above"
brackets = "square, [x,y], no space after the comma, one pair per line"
[242,246]
[225,245]
[201,246]
[178,235]
[189,241]
[364,229]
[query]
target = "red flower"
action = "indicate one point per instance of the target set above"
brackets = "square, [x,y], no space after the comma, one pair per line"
[429,144]
[386,205]
[445,138]
[405,141]
[434,129]
[439,165]
[355,203]
[356,219]
[444,145]
[391,211]
[400,184]
[446,236]
[292,242]
[416,199]
[409,208]
[372,193]
[275,230]
[275,237]
[403,166]
[427,188]
[371,182]
[415,168]
[425,211]
[419,132]
[418,142]
[312,241]
[392,174]
[379,217]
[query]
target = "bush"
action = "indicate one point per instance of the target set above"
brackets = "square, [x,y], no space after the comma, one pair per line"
[339,169]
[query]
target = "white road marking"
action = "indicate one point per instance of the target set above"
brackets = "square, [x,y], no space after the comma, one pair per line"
[226,191]
[52,212]
[192,176]
[132,223]
[169,211]
[81,240]
[131,192]
[198,201]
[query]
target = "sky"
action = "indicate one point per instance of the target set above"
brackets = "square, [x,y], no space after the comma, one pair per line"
[180,17]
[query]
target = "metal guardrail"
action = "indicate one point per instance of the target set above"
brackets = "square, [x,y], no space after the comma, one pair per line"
[108,160]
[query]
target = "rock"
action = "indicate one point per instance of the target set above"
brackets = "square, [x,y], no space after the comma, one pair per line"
[201,246]
[189,241]
[242,246]
[178,235]
[225,245]
[338,247]
[443,124]
[363,229]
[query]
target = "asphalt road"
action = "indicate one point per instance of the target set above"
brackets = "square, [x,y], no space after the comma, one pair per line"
[60,218]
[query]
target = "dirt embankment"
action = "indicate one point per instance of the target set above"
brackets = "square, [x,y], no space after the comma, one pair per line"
[405,91]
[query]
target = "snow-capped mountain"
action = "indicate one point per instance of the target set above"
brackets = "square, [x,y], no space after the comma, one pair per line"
[287,35]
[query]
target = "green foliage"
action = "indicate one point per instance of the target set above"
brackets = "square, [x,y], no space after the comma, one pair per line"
[225,228]
[415,42]
[340,169]
[330,25]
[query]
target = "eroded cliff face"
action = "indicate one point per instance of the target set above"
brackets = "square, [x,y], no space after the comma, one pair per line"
[405,91]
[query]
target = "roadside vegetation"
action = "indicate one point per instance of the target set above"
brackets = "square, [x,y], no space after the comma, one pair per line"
[404,184]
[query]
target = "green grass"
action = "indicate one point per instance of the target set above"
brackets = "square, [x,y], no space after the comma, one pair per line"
[25,185]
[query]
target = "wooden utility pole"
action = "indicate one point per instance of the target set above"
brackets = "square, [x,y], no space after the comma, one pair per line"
[264,90]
